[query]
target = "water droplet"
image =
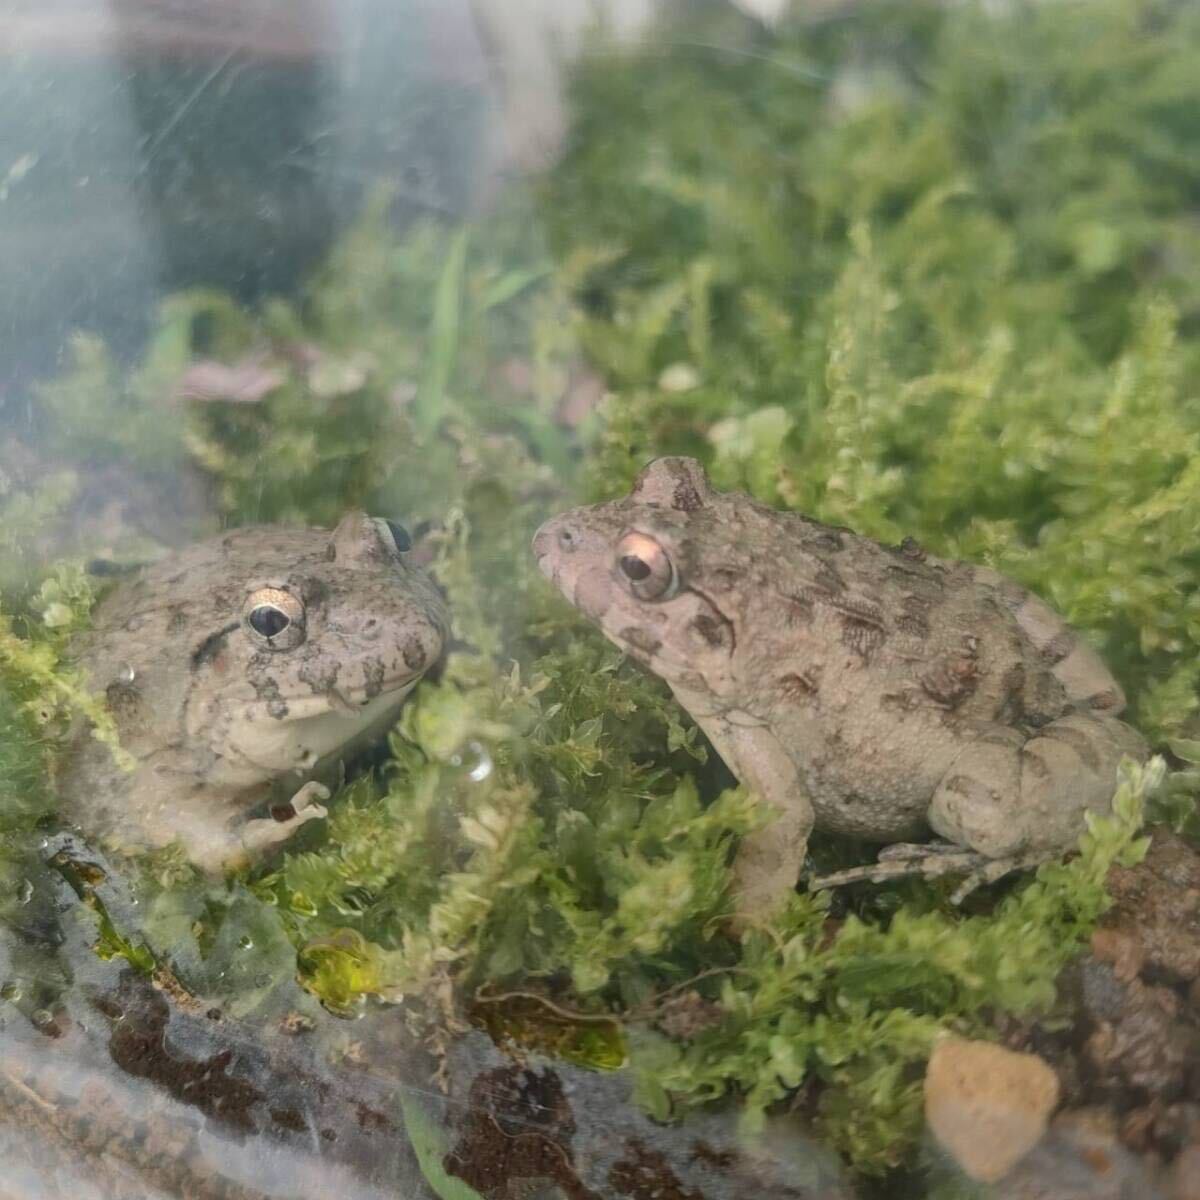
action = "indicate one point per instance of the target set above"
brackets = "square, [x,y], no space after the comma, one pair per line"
[246,942]
[475,761]
[42,1018]
[10,991]
[25,892]
[126,674]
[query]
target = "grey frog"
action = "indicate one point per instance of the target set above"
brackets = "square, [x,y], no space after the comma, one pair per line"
[242,664]
[869,690]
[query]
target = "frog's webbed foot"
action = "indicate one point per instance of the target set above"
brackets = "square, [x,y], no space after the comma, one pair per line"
[932,860]
[259,835]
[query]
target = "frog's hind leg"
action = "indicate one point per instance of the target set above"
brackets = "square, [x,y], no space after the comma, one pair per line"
[1010,801]
[1085,678]
[932,860]
[1019,799]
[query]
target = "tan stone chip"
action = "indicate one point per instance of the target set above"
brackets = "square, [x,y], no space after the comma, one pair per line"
[987,1106]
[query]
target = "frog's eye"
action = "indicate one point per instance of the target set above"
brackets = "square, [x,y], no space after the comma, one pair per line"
[274,618]
[400,536]
[645,567]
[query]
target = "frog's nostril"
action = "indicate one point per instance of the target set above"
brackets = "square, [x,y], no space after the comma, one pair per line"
[568,540]
[543,540]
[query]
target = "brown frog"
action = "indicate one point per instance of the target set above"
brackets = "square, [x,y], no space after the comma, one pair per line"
[868,690]
[237,669]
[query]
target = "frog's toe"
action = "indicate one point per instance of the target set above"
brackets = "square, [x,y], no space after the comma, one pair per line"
[905,851]
[262,834]
[306,802]
[932,860]
[995,869]
[929,862]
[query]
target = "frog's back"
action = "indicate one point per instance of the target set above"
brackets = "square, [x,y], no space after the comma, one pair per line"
[883,662]
[903,628]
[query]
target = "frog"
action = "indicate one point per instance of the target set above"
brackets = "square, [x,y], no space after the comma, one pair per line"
[934,707]
[240,671]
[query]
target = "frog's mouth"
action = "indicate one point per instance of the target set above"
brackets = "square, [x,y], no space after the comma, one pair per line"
[351,704]
[296,733]
[342,703]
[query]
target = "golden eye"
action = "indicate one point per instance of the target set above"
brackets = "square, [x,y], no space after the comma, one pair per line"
[274,618]
[645,567]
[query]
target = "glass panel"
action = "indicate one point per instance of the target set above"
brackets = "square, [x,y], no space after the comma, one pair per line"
[598,599]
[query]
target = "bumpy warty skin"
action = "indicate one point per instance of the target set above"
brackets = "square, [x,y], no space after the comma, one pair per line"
[217,713]
[872,690]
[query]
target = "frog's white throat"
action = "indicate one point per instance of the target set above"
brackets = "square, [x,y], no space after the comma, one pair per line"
[313,728]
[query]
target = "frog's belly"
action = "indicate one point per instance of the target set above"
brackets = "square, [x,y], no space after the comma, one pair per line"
[879,792]
[872,818]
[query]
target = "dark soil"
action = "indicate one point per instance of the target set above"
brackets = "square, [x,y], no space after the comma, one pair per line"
[1127,1050]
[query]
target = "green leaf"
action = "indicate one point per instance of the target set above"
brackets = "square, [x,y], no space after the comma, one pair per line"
[443,336]
[429,1145]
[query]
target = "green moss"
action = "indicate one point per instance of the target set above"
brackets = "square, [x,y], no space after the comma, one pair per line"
[34,674]
[857,1006]
[531,1022]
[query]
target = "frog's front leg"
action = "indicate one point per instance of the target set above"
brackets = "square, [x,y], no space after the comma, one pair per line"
[769,860]
[1011,800]
[216,844]
[259,835]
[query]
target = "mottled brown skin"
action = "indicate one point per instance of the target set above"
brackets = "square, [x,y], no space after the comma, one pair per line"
[221,718]
[868,690]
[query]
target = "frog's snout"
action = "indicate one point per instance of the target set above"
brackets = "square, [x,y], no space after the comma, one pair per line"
[556,537]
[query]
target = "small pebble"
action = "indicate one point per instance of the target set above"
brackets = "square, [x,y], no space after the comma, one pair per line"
[987,1106]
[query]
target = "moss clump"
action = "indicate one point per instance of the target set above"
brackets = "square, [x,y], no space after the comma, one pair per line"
[34,673]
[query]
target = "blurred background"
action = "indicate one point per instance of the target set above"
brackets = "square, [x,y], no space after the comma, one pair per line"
[151,145]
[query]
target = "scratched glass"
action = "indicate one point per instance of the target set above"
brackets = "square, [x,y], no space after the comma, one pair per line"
[377,819]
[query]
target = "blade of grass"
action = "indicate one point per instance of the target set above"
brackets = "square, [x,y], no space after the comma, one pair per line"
[443,336]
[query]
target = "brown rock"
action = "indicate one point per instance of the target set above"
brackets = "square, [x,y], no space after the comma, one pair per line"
[987,1106]
[1122,949]
[1137,1038]
[1080,1158]
[1158,904]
